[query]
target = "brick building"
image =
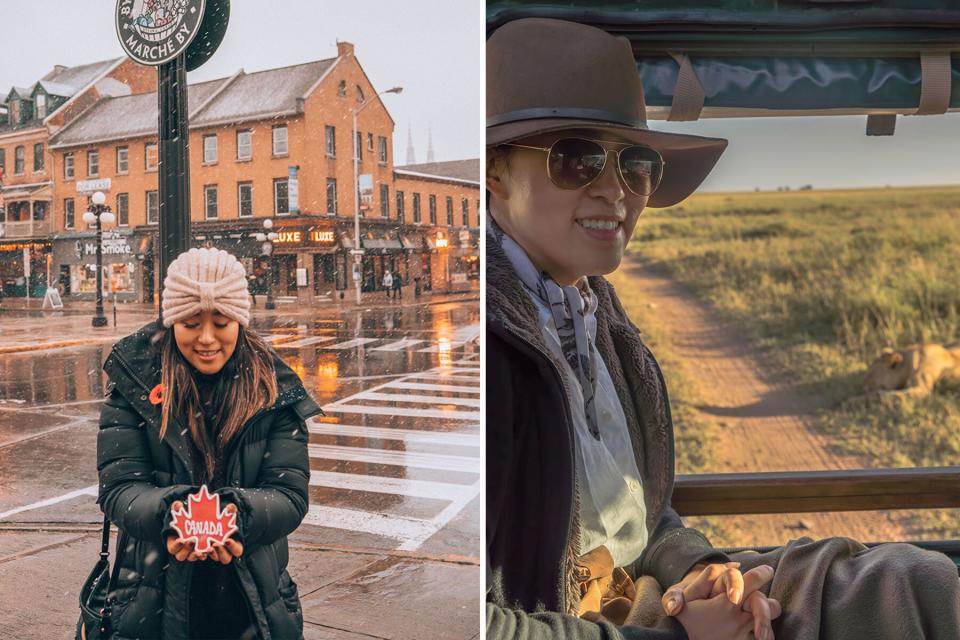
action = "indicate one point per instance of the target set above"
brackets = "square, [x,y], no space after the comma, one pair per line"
[28,117]
[274,144]
[444,197]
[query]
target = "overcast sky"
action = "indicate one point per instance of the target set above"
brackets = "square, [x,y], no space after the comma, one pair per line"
[432,48]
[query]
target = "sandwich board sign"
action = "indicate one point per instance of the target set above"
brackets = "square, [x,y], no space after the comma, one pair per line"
[52,300]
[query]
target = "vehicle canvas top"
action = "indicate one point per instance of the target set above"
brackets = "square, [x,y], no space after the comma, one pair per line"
[779,57]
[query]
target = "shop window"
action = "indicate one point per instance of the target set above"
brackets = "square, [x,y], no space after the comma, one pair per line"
[38,158]
[123,159]
[209,149]
[150,156]
[281,196]
[465,205]
[18,159]
[401,214]
[245,199]
[244,144]
[123,209]
[332,196]
[280,146]
[384,201]
[68,166]
[449,211]
[382,150]
[433,209]
[153,207]
[210,202]
[93,163]
[331,140]
[416,208]
[69,221]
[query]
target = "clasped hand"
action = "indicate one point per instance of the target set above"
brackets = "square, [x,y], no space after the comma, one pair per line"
[717,602]
[185,551]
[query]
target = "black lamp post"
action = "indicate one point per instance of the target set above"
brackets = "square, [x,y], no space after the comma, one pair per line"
[267,250]
[100,214]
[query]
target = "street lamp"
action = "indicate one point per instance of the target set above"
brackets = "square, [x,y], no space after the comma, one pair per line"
[357,251]
[100,214]
[267,249]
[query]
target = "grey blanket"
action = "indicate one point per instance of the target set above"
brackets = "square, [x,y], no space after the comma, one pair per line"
[837,589]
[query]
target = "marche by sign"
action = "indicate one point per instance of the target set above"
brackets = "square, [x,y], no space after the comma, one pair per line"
[153,32]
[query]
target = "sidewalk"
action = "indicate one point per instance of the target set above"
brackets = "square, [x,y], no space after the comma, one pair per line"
[25,326]
[336,585]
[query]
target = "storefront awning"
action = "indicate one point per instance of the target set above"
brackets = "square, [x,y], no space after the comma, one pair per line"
[375,239]
[18,192]
[346,241]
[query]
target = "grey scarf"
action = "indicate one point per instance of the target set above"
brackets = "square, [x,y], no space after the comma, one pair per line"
[568,307]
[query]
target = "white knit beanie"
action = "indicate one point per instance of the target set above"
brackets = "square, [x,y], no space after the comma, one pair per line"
[203,280]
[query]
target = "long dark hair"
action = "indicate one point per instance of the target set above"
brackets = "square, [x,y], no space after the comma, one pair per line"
[248,383]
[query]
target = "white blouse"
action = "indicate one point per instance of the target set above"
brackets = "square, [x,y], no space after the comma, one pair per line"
[612,510]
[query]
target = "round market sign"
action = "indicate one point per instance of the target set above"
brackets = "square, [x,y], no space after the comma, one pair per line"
[153,32]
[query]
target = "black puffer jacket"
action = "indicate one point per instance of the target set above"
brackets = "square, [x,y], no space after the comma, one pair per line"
[267,474]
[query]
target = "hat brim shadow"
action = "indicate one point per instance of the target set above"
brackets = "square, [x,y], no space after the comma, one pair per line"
[687,159]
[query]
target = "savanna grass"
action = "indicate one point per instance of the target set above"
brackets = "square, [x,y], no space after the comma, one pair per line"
[823,280]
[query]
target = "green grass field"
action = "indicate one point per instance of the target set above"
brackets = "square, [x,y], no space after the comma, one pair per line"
[823,280]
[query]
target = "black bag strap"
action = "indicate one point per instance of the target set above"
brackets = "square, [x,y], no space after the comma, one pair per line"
[106,625]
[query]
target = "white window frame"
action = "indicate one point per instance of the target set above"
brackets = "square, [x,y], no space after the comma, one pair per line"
[240,187]
[73,214]
[248,145]
[156,197]
[123,167]
[146,156]
[207,190]
[210,151]
[330,140]
[276,184]
[127,199]
[370,141]
[332,182]
[283,141]
[382,151]
[69,170]
[95,155]
[41,104]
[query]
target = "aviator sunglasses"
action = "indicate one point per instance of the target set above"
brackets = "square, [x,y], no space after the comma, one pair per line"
[574,163]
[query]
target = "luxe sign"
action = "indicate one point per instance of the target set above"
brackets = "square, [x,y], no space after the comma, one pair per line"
[153,32]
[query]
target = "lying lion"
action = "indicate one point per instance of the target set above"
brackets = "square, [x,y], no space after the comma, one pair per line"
[914,370]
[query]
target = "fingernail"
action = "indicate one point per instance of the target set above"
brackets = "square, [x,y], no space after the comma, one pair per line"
[672,605]
[734,595]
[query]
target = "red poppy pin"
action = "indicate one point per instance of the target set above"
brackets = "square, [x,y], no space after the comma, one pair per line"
[156,396]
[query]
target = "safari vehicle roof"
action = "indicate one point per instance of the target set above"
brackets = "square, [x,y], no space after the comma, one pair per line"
[736,58]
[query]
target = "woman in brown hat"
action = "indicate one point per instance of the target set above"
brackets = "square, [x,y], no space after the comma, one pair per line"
[581,539]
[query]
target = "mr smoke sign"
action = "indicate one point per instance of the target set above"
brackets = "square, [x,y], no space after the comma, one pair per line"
[153,32]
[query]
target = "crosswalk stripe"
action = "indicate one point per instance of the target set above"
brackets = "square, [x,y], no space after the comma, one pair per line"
[396,346]
[443,376]
[396,458]
[381,524]
[468,333]
[273,337]
[410,436]
[437,348]
[431,387]
[394,486]
[306,342]
[406,397]
[450,414]
[349,344]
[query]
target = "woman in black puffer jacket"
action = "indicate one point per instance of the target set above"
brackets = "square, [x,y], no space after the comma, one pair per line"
[200,400]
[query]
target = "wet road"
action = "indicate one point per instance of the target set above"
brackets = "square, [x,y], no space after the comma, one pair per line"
[395,463]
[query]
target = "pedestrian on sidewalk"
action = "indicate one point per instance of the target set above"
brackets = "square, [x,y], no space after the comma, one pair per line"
[201,399]
[398,286]
[387,282]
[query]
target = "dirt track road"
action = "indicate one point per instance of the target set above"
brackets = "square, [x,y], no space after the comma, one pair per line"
[762,423]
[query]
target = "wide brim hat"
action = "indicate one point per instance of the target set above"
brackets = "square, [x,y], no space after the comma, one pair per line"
[546,75]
